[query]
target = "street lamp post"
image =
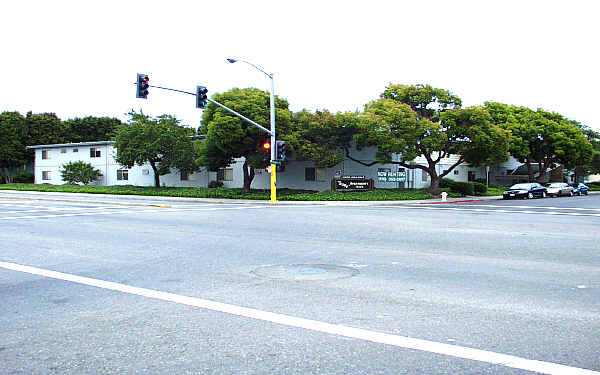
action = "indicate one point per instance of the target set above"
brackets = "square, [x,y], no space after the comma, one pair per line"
[273,144]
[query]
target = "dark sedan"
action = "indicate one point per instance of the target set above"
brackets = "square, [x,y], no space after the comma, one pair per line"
[580,189]
[525,191]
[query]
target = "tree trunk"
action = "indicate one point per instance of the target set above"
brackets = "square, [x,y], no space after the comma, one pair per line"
[156,175]
[6,175]
[248,177]
[529,171]
[434,186]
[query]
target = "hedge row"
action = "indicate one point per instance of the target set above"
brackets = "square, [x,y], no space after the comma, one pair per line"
[464,188]
[221,192]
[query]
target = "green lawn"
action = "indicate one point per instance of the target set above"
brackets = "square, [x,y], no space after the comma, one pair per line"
[282,194]
[493,191]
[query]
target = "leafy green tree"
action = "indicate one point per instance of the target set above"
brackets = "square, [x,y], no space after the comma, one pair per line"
[543,138]
[13,135]
[408,131]
[428,102]
[43,129]
[593,166]
[79,172]
[89,129]
[322,137]
[161,142]
[229,137]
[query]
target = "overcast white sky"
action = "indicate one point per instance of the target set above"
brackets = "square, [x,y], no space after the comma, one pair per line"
[335,55]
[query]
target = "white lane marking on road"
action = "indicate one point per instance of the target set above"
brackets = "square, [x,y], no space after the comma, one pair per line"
[314,325]
[136,210]
[535,207]
[494,211]
[53,209]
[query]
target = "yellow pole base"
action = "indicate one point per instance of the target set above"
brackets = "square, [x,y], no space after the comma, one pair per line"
[273,184]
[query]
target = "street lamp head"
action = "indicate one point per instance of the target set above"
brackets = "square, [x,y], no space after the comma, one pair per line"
[232,60]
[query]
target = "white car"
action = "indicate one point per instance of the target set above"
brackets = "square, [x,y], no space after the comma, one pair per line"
[557,189]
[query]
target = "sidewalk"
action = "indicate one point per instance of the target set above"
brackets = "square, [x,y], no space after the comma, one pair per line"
[157,200]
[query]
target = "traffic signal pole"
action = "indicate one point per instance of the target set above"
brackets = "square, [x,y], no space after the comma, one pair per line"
[240,116]
[222,106]
[273,144]
[202,90]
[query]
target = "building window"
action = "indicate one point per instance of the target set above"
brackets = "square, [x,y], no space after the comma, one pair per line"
[122,174]
[75,150]
[456,171]
[95,152]
[184,176]
[310,174]
[471,176]
[45,154]
[424,176]
[225,174]
[46,175]
[63,150]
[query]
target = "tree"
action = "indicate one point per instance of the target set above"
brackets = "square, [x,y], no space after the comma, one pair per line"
[161,142]
[229,137]
[79,172]
[428,102]
[322,137]
[540,137]
[89,129]
[593,166]
[13,135]
[407,130]
[42,129]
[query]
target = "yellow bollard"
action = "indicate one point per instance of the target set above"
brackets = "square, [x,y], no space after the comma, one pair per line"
[273,184]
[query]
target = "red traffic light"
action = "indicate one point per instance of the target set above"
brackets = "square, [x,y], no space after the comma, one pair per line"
[267,146]
[142,86]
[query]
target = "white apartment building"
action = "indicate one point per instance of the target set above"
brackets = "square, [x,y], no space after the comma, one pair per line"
[49,160]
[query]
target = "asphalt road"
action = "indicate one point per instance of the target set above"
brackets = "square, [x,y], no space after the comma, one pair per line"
[217,288]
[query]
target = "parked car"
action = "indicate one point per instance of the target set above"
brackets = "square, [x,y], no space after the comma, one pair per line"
[557,189]
[580,189]
[525,191]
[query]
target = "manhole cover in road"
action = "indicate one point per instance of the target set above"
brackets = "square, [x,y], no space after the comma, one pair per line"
[305,272]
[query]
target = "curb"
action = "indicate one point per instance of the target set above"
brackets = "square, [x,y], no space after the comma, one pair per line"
[154,200]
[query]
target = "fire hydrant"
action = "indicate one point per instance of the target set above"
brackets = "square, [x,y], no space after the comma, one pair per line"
[444,196]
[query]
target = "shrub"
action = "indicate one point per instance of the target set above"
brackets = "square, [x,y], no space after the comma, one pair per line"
[23,177]
[79,171]
[447,183]
[479,188]
[215,184]
[464,188]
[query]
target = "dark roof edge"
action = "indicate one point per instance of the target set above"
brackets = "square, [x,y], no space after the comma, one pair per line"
[80,144]
[96,143]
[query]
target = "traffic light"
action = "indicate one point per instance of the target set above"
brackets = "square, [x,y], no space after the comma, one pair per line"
[266,147]
[280,150]
[201,98]
[142,86]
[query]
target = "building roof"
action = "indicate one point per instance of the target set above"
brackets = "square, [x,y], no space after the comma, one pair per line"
[80,144]
[96,143]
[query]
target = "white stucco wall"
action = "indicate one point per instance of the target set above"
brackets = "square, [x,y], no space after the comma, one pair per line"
[293,177]
[106,164]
